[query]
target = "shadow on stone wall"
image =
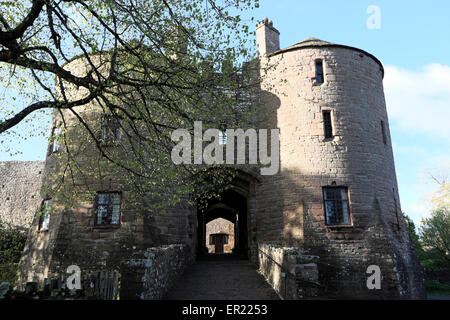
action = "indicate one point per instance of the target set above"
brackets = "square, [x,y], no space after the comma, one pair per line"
[289,210]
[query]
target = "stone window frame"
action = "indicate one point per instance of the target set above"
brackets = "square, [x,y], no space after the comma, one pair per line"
[95,213]
[114,138]
[349,210]
[332,122]
[322,66]
[55,136]
[45,215]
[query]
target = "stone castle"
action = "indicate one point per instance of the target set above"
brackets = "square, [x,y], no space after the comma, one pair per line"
[335,196]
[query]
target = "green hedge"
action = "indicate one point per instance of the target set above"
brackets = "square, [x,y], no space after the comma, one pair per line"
[8,272]
[12,242]
[436,288]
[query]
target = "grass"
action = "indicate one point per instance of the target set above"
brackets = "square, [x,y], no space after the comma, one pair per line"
[437,289]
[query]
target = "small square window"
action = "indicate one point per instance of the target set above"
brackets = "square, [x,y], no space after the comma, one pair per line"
[337,210]
[107,209]
[111,132]
[44,215]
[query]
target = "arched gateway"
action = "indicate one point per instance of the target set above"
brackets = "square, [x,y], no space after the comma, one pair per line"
[232,205]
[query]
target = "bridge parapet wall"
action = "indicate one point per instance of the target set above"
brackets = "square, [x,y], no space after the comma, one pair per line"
[291,273]
[153,272]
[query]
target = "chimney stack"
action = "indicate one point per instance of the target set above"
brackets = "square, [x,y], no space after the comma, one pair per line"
[267,38]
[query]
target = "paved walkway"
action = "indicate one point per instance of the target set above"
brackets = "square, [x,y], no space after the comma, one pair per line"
[222,278]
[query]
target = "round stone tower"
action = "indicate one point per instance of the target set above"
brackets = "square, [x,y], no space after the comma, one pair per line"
[337,187]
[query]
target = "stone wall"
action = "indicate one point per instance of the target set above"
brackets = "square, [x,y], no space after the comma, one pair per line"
[292,274]
[289,206]
[20,184]
[151,273]
[73,239]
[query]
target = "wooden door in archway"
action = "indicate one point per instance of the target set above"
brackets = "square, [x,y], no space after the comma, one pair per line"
[219,242]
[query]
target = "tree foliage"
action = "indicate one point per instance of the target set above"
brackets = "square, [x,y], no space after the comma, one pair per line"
[441,196]
[413,235]
[432,243]
[435,239]
[12,242]
[153,65]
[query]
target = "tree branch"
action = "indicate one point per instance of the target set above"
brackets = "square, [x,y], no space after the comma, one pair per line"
[16,33]
[16,119]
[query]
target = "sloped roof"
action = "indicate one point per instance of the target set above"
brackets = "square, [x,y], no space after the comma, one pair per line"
[310,42]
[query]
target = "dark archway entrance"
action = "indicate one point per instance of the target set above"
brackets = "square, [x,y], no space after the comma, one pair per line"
[231,206]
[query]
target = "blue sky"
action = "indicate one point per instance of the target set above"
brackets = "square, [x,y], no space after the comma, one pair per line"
[413,44]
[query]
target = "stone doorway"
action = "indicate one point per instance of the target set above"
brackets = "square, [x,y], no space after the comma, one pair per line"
[219,240]
[220,236]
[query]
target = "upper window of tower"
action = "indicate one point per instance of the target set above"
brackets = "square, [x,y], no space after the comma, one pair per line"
[337,210]
[108,208]
[319,71]
[110,130]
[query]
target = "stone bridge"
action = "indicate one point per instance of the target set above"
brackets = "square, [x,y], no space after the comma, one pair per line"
[170,272]
[222,277]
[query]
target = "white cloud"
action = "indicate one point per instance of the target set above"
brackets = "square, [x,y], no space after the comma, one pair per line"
[429,160]
[416,184]
[417,211]
[415,193]
[419,101]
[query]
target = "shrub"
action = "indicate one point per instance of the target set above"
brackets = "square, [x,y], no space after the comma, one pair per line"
[12,242]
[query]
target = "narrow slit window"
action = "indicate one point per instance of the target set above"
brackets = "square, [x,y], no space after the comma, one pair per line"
[327,126]
[319,71]
[396,210]
[383,132]
[108,209]
[56,139]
